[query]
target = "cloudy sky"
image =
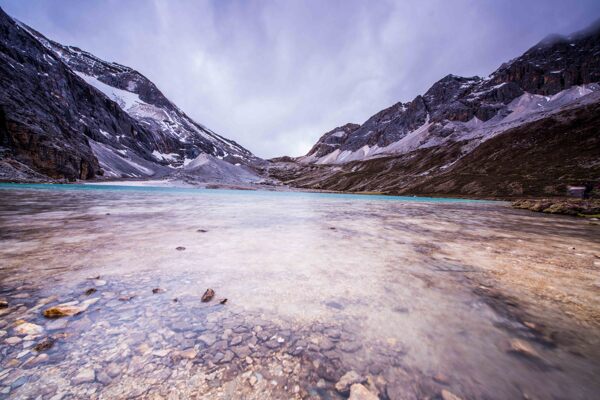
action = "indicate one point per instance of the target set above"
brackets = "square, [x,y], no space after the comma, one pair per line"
[275,75]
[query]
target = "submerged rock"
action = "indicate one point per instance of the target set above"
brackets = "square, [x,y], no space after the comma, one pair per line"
[3,303]
[180,248]
[346,381]
[27,328]
[69,309]
[208,295]
[84,376]
[44,345]
[13,340]
[57,324]
[447,395]
[190,353]
[359,392]
[520,347]
[90,291]
[158,290]
[222,301]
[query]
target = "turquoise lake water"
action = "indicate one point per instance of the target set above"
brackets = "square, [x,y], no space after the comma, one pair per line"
[233,192]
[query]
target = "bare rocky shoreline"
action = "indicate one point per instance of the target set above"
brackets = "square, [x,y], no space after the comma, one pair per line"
[577,207]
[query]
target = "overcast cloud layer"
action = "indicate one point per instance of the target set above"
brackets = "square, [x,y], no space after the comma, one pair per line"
[275,75]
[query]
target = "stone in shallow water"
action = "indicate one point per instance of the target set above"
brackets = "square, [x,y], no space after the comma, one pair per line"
[346,381]
[13,340]
[158,290]
[179,248]
[208,338]
[349,347]
[188,353]
[27,328]
[85,375]
[69,309]
[326,344]
[40,358]
[227,357]
[161,353]
[334,304]
[447,395]
[359,392]
[523,348]
[208,295]
[103,378]
[113,369]
[44,345]
[3,303]
[236,340]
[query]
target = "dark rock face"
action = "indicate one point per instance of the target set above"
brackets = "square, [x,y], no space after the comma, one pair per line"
[331,139]
[556,63]
[553,65]
[57,120]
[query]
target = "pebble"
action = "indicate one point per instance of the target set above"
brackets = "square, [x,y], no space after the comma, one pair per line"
[326,344]
[158,290]
[13,340]
[27,328]
[524,348]
[103,378]
[40,358]
[359,392]
[85,375]
[227,357]
[113,370]
[161,353]
[69,309]
[190,353]
[208,295]
[180,248]
[346,381]
[3,303]
[447,395]
[45,344]
[57,324]
[208,338]
[236,340]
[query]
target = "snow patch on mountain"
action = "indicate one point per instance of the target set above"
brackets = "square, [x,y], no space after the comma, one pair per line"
[126,100]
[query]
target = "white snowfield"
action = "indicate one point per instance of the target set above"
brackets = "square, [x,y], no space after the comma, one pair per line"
[525,108]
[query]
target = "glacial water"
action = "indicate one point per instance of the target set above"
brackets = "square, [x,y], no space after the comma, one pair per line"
[421,297]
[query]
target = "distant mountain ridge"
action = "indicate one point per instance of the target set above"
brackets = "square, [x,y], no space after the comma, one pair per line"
[427,145]
[66,114]
[456,108]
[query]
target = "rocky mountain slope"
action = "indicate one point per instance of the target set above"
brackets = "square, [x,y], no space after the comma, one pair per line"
[409,147]
[553,73]
[66,114]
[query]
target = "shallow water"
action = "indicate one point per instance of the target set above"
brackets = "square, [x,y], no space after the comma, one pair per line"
[415,295]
